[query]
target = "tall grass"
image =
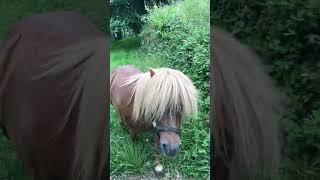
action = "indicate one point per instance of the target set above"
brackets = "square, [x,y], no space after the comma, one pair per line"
[10,167]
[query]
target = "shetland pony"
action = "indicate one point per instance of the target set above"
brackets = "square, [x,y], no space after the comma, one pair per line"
[52,96]
[246,112]
[159,99]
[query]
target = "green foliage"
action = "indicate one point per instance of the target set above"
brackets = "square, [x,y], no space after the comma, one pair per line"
[10,166]
[124,52]
[125,18]
[126,44]
[286,33]
[303,140]
[120,29]
[180,32]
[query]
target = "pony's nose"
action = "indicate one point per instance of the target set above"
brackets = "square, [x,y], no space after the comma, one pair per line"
[170,150]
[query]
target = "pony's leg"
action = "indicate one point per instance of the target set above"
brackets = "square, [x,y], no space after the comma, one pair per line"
[122,123]
[158,169]
[157,147]
[133,134]
[122,119]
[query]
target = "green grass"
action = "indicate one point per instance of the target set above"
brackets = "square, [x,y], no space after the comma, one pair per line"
[10,167]
[125,52]
[137,158]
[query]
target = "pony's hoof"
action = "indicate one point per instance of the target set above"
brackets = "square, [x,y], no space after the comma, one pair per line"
[158,170]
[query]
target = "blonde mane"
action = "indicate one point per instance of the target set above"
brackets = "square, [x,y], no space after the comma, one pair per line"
[168,90]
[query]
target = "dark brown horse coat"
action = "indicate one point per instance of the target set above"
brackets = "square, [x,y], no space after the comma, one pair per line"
[53,96]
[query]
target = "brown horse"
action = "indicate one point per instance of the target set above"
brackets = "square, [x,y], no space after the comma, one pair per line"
[52,96]
[159,99]
[246,112]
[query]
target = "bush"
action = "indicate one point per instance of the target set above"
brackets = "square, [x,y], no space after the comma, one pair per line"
[286,33]
[180,32]
[126,16]
[120,29]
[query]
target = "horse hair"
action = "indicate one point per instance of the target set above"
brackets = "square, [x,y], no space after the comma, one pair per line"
[168,90]
[246,100]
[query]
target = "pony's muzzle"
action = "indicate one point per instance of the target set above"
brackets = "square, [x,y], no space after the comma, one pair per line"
[170,150]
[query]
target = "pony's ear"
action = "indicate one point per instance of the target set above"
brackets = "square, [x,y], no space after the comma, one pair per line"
[152,73]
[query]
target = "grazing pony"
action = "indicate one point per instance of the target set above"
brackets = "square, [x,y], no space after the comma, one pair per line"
[159,99]
[52,96]
[246,112]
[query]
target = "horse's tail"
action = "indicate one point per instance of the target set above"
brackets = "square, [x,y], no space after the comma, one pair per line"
[247,111]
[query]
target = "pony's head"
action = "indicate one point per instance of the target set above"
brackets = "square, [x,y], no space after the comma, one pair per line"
[164,98]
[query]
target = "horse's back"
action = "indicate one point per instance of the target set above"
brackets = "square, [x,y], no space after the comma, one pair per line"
[46,74]
[121,74]
[126,70]
[120,95]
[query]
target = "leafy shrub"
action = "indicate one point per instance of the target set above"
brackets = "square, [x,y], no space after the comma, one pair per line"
[120,29]
[126,16]
[286,33]
[180,32]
